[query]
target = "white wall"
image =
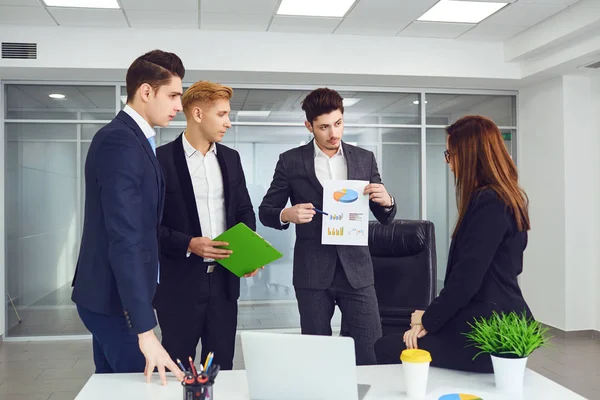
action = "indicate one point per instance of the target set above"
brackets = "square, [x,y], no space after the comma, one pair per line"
[595,113]
[267,52]
[582,200]
[2,225]
[559,167]
[541,165]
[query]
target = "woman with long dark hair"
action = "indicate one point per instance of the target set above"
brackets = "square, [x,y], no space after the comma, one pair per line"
[486,254]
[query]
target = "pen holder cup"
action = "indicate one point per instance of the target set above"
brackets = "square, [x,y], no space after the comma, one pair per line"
[198,391]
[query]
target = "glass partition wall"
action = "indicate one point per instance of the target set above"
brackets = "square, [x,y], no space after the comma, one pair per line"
[47,139]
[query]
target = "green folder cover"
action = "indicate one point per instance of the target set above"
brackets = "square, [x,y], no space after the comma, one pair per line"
[250,250]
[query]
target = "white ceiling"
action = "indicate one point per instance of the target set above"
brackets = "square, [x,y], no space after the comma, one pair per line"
[366,17]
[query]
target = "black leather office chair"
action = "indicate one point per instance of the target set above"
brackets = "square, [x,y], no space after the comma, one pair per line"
[404,262]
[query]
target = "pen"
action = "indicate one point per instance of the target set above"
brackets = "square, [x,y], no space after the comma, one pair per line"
[206,361]
[319,211]
[207,366]
[193,367]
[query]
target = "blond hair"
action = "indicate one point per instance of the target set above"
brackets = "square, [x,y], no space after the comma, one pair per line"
[204,92]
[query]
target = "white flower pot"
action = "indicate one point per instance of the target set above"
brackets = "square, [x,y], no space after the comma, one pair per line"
[509,373]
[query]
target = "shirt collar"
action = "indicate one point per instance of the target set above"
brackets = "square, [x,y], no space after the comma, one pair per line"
[319,152]
[190,150]
[140,121]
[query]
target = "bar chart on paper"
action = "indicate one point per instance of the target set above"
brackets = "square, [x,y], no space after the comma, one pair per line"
[348,209]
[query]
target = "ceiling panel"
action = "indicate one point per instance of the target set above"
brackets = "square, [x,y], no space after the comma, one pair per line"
[166,19]
[550,2]
[435,30]
[283,23]
[234,22]
[240,6]
[25,16]
[492,32]
[391,9]
[380,27]
[160,5]
[89,17]
[521,14]
[22,3]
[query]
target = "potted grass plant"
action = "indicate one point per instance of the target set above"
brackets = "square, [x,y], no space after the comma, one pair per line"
[509,339]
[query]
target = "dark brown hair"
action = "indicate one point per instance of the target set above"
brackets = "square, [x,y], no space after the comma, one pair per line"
[480,160]
[155,68]
[321,101]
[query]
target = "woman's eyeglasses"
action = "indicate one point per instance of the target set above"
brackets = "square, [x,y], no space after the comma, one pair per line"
[447,156]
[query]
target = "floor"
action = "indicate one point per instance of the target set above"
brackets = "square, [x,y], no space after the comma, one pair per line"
[57,370]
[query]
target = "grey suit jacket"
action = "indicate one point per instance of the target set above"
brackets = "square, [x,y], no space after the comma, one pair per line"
[295,179]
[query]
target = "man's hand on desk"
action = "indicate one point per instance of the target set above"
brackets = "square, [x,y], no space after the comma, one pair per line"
[298,214]
[206,248]
[378,194]
[251,274]
[157,357]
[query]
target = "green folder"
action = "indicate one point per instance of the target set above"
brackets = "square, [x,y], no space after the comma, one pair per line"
[250,250]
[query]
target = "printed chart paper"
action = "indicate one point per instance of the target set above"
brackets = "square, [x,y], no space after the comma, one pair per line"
[348,209]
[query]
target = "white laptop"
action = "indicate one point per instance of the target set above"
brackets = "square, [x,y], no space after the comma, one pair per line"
[286,366]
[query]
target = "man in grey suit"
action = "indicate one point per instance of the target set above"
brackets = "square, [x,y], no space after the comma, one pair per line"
[326,275]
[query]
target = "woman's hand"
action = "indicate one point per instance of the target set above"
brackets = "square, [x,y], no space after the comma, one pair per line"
[411,336]
[416,318]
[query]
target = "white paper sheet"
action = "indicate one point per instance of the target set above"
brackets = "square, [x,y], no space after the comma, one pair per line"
[347,222]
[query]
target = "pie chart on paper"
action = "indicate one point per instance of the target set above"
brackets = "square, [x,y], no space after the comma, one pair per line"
[345,195]
[459,396]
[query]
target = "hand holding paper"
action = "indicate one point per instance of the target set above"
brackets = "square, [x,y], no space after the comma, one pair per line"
[378,194]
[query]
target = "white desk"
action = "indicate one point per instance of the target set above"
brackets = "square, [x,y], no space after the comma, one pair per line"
[387,383]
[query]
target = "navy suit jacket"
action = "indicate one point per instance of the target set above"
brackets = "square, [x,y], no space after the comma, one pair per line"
[117,269]
[183,280]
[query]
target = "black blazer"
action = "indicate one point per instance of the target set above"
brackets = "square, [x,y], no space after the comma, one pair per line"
[117,267]
[183,279]
[295,179]
[485,258]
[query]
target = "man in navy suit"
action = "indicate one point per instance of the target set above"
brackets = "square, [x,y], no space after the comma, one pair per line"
[118,269]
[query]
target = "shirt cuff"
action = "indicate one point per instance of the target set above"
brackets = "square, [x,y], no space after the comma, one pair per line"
[187,254]
[281,221]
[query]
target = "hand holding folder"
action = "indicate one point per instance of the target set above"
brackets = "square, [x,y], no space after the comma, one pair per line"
[250,250]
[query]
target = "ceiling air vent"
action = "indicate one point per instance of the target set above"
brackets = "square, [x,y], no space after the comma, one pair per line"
[595,64]
[22,51]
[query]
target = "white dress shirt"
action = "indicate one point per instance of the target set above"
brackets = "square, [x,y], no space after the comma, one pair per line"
[207,181]
[328,168]
[142,123]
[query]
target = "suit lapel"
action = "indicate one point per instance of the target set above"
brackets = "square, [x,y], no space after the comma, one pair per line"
[124,117]
[225,175]
[308,156]
[185,183]
[353,167]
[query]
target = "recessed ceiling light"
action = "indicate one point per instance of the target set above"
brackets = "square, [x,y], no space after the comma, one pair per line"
[349,102]
[57,96]
[471,12]
[83,3]
[417,102]
[315,8]
[253,113]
